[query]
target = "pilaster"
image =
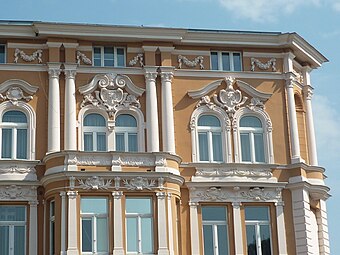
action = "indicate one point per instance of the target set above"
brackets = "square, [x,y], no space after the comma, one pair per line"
[281,229]
[194,230]
[163,248]
[170,225]
[72,233]
[323,228]
[118,246]
[63,224]
[238,235]
[33,228]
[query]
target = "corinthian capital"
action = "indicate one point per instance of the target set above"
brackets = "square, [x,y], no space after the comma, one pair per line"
[54,73]
[70,74]
[308,92]
[150,76]
[167,77]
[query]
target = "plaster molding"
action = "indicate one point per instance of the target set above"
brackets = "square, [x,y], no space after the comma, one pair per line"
[233,172]
[95,183]
[83,58]
[17,83]
[191,52]
[193,63]
[18,192]
[139,183]
[139,58]
[263,66]
[213,194]
[26,46]
[37,55]
[261,194]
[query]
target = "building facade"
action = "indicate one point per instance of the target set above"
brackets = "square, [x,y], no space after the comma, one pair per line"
[135,140]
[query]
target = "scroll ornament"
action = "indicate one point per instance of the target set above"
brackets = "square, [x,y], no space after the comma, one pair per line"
[263,66]
[28,58]
[184,60]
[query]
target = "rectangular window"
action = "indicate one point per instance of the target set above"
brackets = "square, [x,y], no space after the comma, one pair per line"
[108,56]
[12,230]
[215,230]
[139,225]
[226,61]
[2,54]
[94,225]
[52,227]
[258,230]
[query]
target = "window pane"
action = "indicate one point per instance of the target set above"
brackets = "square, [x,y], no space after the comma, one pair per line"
[94,120]
[132,140]
[93,205]
[131,234]
[52,227]
[214,61]
[88,142]
[237,61]
[19,240]
[217,146]
[250,121]
[108,56]
[4,240]
[251,240]
[120,142]
[225,61]
[209,121]
[15,117]
[2,54]
[101,141]
[102,235]
[52,209]
[138,205]
[22,143]
[259,148]
[222,239]
[208,240]
[245,147]
[265,239]
[6,143]
[12,213]
[126,120]
[120,57]
[203,146]
[86,235]
[97,56]
[257,213]
[147,235]
[214,213]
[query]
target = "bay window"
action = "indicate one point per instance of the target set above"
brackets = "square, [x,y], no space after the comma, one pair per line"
[139,225]
[12,230]
[258,230]
[14,135]
[95,133]
[94,225]
[209,139]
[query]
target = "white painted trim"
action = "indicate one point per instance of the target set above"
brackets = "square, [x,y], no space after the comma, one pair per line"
[23,67]
[26,46]
[166,49]
[191,52]
[281,228]
[84,48]
[238,233]
[194,229]
[170,225]
[70,45]
[33,228]
[118,240]
[54,44]
[63,224]
[150,48]
[134,50]
[163,248]
[72,224]
[24,85]
[106,70]
[263,54]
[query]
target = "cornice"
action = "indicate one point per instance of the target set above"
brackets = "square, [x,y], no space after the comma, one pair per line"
[223,74]
[26,46]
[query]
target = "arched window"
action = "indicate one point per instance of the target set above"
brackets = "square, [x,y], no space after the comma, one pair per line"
[126,133]
[252,140]
[14,143]
[209,139]
[94,132]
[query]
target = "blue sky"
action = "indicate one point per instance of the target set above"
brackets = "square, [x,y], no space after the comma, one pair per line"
[315,20]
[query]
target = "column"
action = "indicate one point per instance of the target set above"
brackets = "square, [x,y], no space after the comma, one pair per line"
[323,228]
[302,221]
[293,126]
[151,110]
[168,131]
[194,230]
[170,226]
[70,118]
[281,228]
[72,233]
[238,228]
[313,158]
[63,224]
[53,108]
[33,228]
[118,246]
[162,231]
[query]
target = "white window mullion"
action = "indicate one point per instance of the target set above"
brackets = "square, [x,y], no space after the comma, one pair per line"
[11,239]
[14,143]
[258,239]
[231,61]
[215,233]
[139,231]
[94,233]
[220,61]
[210,146]
[126,141]
[102,55]
[252,147]
[115,57]
[94,141]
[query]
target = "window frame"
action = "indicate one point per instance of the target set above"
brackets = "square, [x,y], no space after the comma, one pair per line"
[51,222]
[126,131]
[257,224]
[102,54]
[11,225]
[5,53]
[214,224]
[93,218]
[139,216]
[231,61]
[95,130]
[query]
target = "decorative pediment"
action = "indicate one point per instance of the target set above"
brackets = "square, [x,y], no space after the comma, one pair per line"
[230,99]
[111,92]
[15,90]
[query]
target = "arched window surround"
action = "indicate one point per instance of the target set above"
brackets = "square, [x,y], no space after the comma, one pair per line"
[31,124]
[225,131]
[267,132]
[110,122]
